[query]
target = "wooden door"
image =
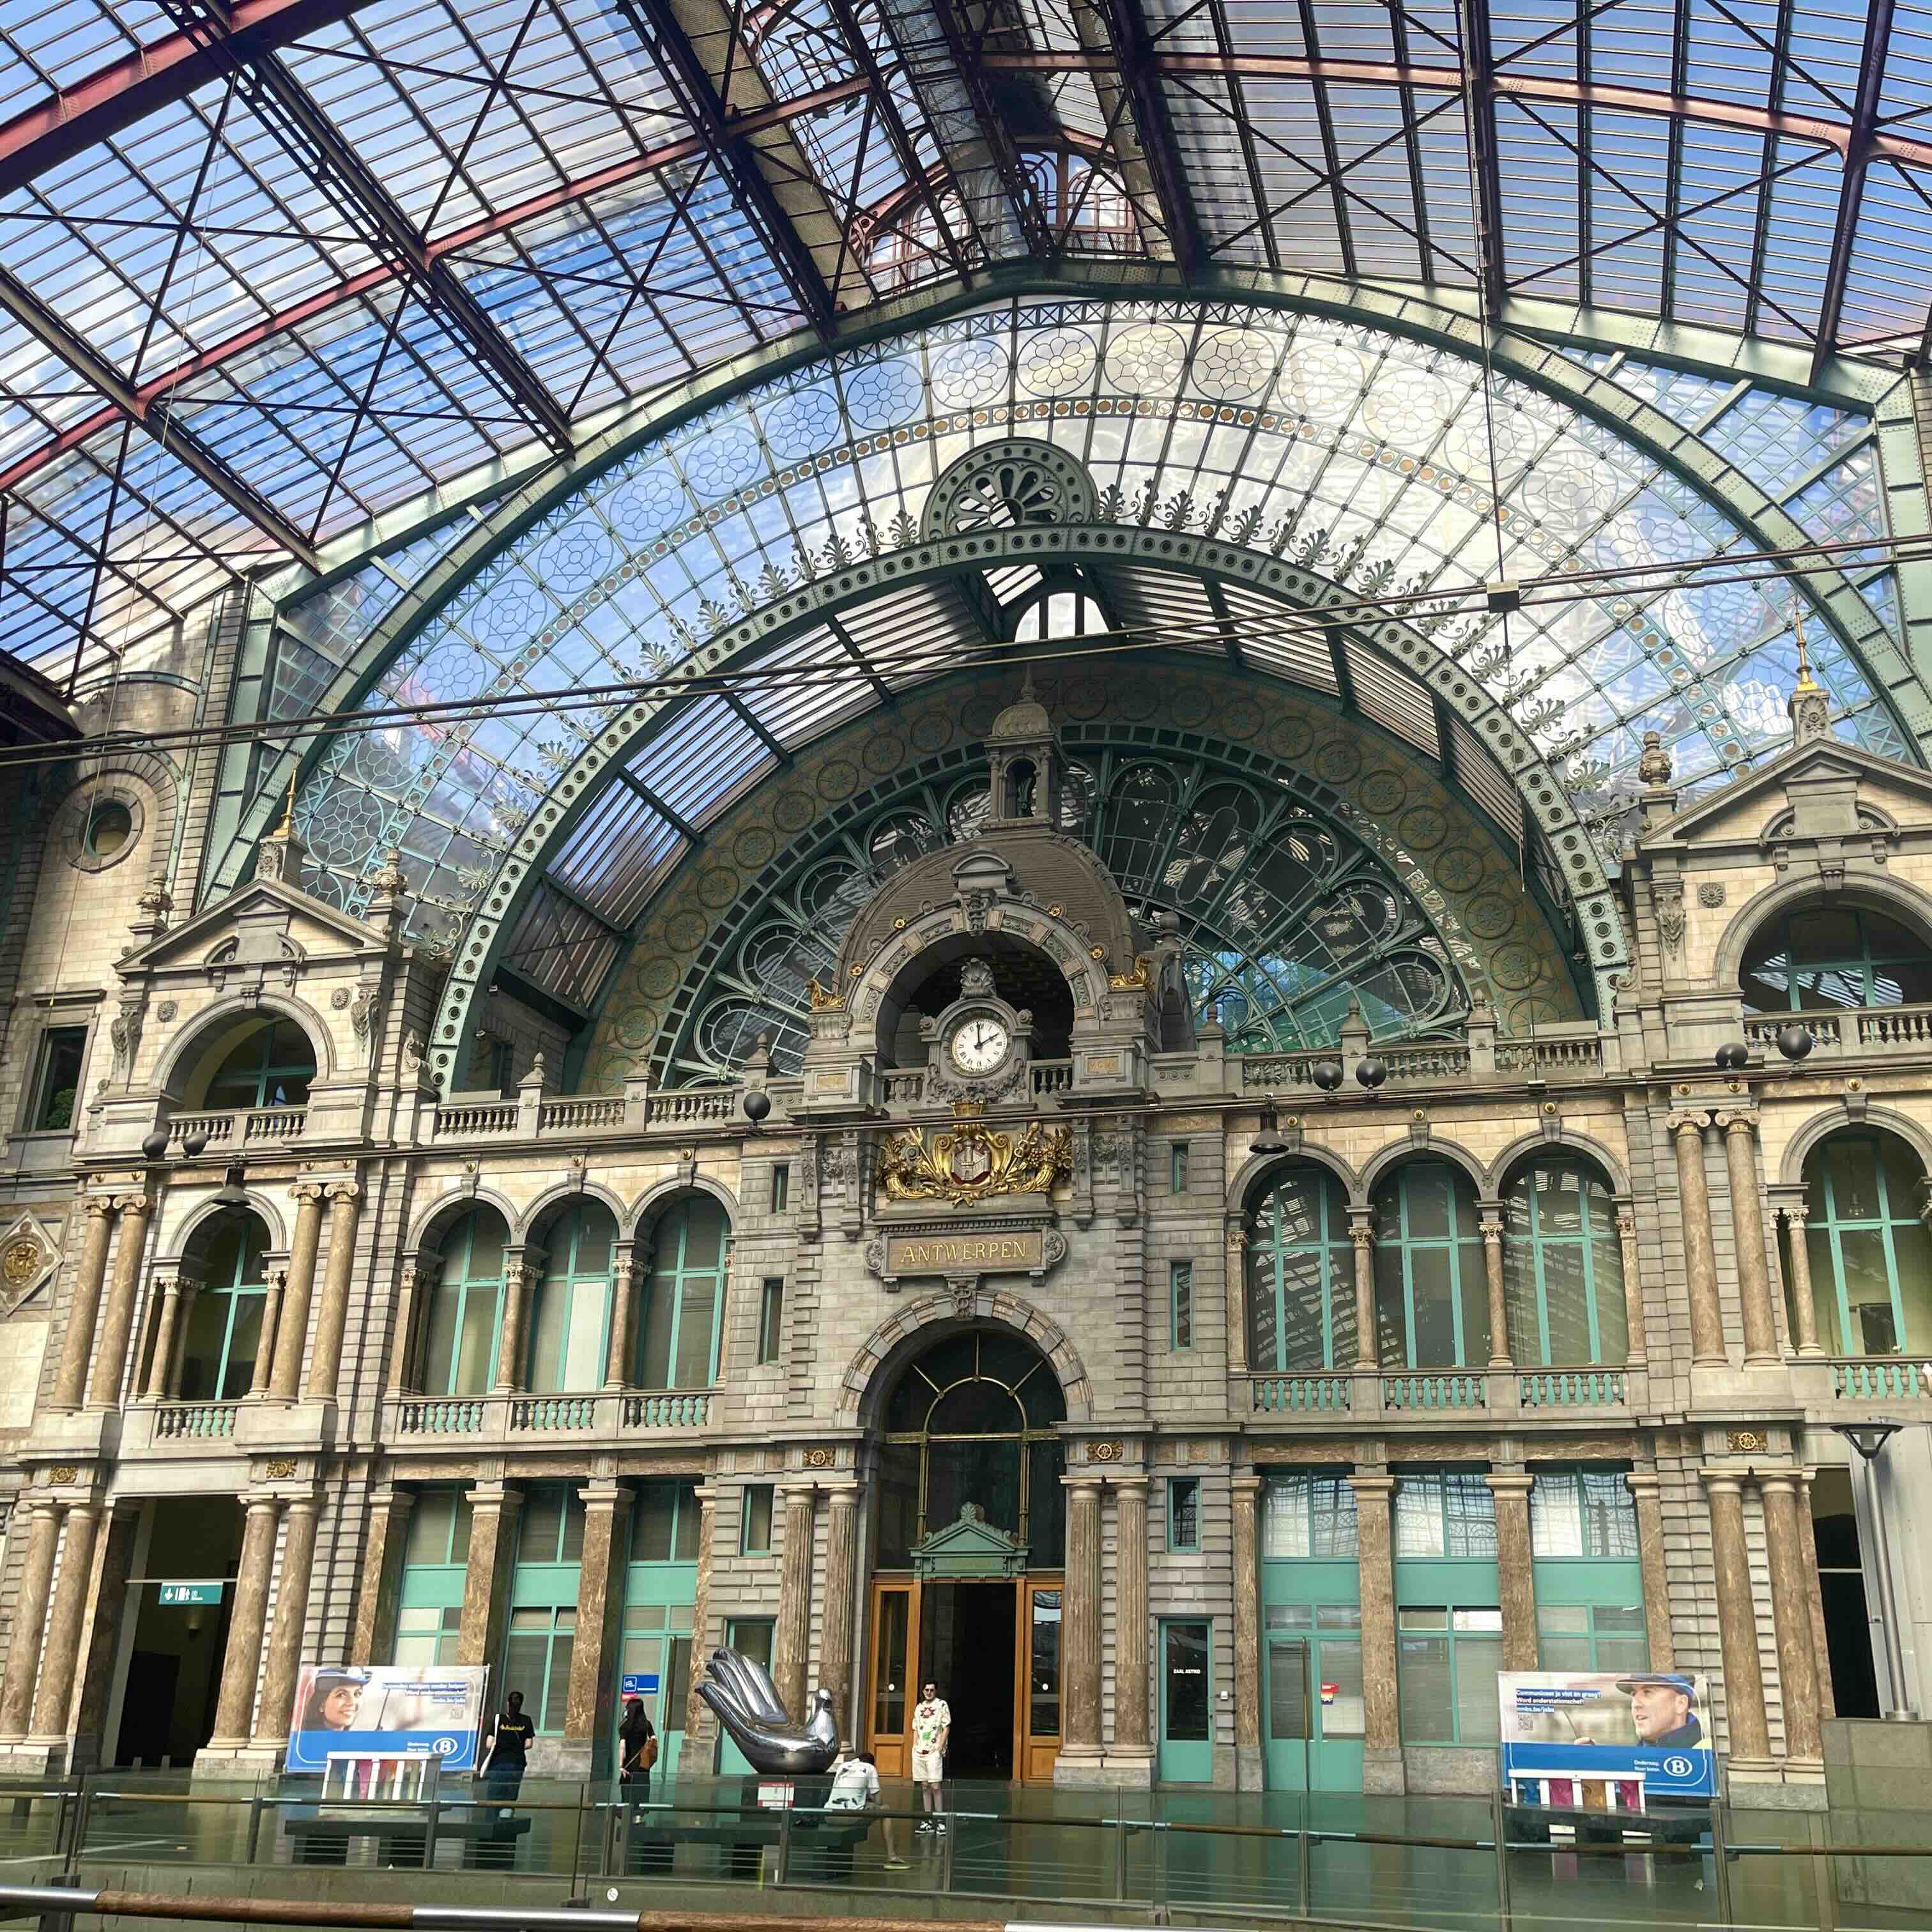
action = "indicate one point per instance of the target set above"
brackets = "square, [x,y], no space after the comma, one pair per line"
[1036,1678]
[892,1654]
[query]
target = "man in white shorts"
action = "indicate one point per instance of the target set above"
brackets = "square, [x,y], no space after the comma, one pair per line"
[931,1725]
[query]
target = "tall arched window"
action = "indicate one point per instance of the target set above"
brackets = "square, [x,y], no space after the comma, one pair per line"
[1870,1255]
[271,1066]
[1563,1266]
[570,1329]
[466,1313]
[1432,1291]
[684,1297]
[1835,956]
[224,1326]
[1301,1274]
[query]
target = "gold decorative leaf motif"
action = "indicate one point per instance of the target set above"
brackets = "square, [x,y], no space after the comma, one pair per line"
[973,1163]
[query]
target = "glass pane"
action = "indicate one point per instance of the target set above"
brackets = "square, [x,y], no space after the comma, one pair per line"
[1332,1509]
[1263,1332]
[475,1363]
[1183,1523]
[1607,1259]
[547,1337]
[1305,1292]
[654,1346]
[1434,1315]
[1288,1690]
[1470,1505]
[1555,1518]
[1565,1287]
[1526,1336]
[889,1685]
[1426,1183]
[1339,1660]
[1391,1316]
[556,1689]
[1184,1652]
[1868,1290]
[702,1223]
[1475,1293]
[684,1542]
[1478,1660]
[1609,1515]
[693,1368]
[899,1504]
[651,1522]
[1422,1679]
[986,1471]
[1418,1516]
[1851,1167]
[1043,1683]
[244,1336]
[1911,1247]
[1046,1514]
[1284,1517]
[583,1338]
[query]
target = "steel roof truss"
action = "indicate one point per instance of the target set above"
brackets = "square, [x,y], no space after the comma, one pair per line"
[1851,193]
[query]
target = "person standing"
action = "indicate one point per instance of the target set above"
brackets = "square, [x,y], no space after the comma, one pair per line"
[506,1751]
[637,1751]
[931,1728]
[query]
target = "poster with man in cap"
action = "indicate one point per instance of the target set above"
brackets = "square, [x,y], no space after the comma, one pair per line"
[1627,1738]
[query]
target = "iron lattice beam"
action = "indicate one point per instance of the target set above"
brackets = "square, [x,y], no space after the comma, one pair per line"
[1127,26]
[313,142]
[966,47]
[1858,147]
[1479,69]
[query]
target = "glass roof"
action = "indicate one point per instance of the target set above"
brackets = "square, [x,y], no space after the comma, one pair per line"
[276,267]
[1365,457]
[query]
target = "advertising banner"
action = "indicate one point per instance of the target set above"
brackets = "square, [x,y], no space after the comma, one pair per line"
[386,1710]
[1644,1731]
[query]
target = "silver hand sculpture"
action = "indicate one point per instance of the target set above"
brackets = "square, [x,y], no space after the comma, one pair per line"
[742,1694]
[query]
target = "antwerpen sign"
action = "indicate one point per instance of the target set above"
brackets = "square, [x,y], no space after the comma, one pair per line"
[964,1254]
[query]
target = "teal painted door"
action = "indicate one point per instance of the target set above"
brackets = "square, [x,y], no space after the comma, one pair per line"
[1312,1683]
[1187,1701]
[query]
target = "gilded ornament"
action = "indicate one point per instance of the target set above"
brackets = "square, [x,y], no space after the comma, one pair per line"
[824,999]
[1105,1452]
[279,1469]
[818,1459]
[63,1472]
[973,1163]
[1138,977]
[1746,1442]
[21,1261]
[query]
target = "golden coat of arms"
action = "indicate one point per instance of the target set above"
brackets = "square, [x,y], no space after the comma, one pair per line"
[973,1161]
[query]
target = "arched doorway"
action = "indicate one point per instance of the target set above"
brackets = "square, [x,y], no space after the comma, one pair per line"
[969,1555]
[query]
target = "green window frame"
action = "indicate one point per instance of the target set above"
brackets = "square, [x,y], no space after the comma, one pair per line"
[1446,1660]
[1591,1636]
[1820,958]
[1301,1273]
[224,1333]
[1586,1513]
[751,1637]
[1432,1283]
[754,1520]
[436,1557]
[1563,1268]
[1183,1514]
[270,1067]
[781,1186]
[1309,1514]
[771,1320]
[544,1589]
[679,1337]
[1176,1167]
[570,1324]
[466,1321]
[1181,1305]
[57,1079]
[536,1660]
[1870,1252]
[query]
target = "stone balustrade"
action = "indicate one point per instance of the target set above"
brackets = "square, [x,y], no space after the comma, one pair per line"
[1394,1395]
[233,1128]
[1847,1032]
[460,1421]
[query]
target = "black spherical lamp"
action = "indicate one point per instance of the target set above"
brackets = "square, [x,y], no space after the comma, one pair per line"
[1733,1057]
[1371,1072]
[758,1106]
[155,1146]
[1327,1075]
[1795,1042]
[195,1144]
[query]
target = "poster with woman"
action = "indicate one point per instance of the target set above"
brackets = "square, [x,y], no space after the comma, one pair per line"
[387,1710]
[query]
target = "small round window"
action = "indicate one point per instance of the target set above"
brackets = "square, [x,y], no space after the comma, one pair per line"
[110,826]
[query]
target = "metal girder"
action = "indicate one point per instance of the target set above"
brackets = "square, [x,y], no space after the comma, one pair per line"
[1479,69]
[151,416]
[1852,190]
[682,826]
[655,24]
[313,141]
[1127,26]
[966,50]
[749,718]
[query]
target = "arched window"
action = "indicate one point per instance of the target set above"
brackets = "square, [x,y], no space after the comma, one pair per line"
[270,1066]
[1432,1291]
[1021,780]
[1563,1267]
[224,1326]
[570,1328]
[684,1296]
[1835,956]
[1301,1274]
[972,1421]
[1870,1255]
[466,1314]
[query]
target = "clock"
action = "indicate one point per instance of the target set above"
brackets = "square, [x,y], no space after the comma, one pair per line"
[979,1043]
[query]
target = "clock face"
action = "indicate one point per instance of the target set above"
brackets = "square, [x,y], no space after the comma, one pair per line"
[979,1044]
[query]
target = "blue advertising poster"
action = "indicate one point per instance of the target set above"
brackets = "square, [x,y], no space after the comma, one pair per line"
[387,1710]
[1644,1731]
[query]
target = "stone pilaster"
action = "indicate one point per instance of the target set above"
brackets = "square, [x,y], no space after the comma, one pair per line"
[1821,1652]
[791,1641]
[84,1305]
[420,1274]
[298,1290]
[117,1320]
[625,1273]
[101,1641]
[1381,1735]
[1748,1225]
[1133,1732]
[1643,1488]
[1080,1630]
[1249,1759]
[263,1372]
[523,1269]
[1700,1252]
[836,1638]
[1633,1287]
[285,1638]
[241,1662]
[172,1290]
[382,1579]
[697,1712]
[324,1359]
[1361,1232]
[1492,1270]
[1737,1623]
[1516,1575]
[590,1711]
[30,1619]
[53,1696]
[1791,1589]
[1236,1277]
[493,1510]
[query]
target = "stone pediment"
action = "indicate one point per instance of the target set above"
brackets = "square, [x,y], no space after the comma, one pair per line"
[1742,813]
[262,924]
[971,1546]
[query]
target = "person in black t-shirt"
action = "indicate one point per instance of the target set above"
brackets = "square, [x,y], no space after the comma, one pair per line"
[507,1751]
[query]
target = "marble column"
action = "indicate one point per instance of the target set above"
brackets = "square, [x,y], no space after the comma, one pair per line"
[242,1662]
[1235,1250]
[382,1581]
[30,1619]
[697,1712]
[1133,1732]
[1493,1267]
[84,1305]
[836,1639]
[285,1636]
[1821,1650]
[291,1329]
[493,1510]
[523,1269]
[1248,1760]
[1642,1484]
[1749,1731]
[53,1696]
[1361,1232]
[1516,1575]
[1748,1225]
[420,1275]
[1633,1288]
[1381,1735]
[590,1709]
[625,1269]
[178,1355]
[263,1372]
[1804,1309]
[171,1289]
[791,1641]
[332,1321]
[117,1317]
[1080,1625]
[100,1643]
[1700,1252]
[1791,1592]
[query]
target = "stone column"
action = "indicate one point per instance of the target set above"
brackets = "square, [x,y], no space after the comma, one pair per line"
[523,1269]
[590,1710]
[324,1359]
[1633,1286]
[420,1274]
[1493,1266]
[1236,1251]
[172,1289]
[1381,1733]
[263,1372]
[30,1619]
[1737,1622]
[1791,1592]
[117,1320]
[1747,1223]
[1516,1576]
[791,1641]
[178,1357]
[77,1346]
[1133,1733]
[836,1638]
[1361,1232]
[99,1641]
[625,1267]
[1804,1309]
[1821,1649]
[1247,1632]
[493,1510]
[285,1638]
[1700,1252]
[1080,1624]
[291,1329]
[241,1662]
[696,1711]
[382,1579]
[53,1696]
[1642,1486]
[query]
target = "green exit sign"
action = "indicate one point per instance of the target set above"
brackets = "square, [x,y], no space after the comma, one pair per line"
[191,1593]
